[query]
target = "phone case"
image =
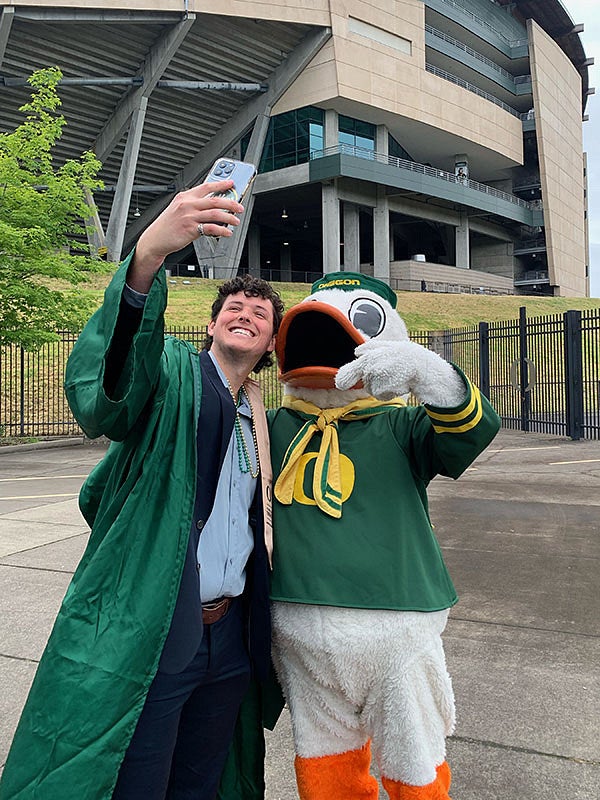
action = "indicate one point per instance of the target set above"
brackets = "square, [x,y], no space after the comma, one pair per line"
[241,172]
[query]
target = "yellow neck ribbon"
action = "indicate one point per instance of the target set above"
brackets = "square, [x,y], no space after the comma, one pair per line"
[327,484]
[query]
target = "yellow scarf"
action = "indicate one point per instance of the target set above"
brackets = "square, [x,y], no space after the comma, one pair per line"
[327,484]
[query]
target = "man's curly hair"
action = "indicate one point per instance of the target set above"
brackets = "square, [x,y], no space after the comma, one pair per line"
[252,287]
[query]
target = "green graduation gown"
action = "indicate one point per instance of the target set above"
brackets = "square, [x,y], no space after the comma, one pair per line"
[106,643]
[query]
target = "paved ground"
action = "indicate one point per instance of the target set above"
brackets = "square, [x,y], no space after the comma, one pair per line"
[521,536]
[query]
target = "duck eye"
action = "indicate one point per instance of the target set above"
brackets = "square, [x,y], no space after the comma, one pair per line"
[367,316]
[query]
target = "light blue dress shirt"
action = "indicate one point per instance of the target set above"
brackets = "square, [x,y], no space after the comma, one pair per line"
[226,540]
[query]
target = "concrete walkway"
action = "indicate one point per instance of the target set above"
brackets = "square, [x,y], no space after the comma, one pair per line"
[521,536]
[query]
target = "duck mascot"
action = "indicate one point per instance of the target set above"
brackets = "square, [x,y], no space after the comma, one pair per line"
[360,591]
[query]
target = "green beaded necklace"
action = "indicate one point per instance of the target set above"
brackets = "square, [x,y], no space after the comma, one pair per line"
[245,461]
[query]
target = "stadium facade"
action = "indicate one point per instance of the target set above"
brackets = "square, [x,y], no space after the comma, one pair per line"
[436,144]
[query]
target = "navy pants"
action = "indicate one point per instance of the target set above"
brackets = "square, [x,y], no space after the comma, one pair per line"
[183,735]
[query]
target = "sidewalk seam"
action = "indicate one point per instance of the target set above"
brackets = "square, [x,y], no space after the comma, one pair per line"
[527,750]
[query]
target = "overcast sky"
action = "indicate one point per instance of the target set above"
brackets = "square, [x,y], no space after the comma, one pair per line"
[588,13]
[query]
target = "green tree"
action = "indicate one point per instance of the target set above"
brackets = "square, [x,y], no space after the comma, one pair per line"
[42,209]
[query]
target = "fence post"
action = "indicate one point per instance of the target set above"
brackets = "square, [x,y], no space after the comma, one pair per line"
[22,388]
[574,374]
[524,369]
[484,358]
[448,342]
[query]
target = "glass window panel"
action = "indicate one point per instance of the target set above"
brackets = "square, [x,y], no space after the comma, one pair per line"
[244,142]
[281,120]
[302,139]
[346,124]
[266,161]
[291,136]
[316,136]
[285,160]
[367,144]
[286,131]
[285,145]
[365,129]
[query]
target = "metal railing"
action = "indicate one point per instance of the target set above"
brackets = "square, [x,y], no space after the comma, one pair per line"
[422,169]
[484,24]
[469,50]
[448,76]
[444,287]
[538,243]
[541,374]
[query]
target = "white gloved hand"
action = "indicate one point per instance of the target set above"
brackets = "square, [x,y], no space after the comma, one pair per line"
[391,368]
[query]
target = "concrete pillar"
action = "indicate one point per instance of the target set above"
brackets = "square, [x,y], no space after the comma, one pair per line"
[462,243]
[254,250]
[115,230]
[331,227]
[230,252]
[381,140]
[285,262]
[351,253]
[331,134]
[381,236]
[7,16]
[93,225]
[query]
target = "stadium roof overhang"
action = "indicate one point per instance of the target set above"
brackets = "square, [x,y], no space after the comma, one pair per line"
[158,96]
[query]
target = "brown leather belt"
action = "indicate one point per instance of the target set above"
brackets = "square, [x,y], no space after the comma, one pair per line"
[213,612]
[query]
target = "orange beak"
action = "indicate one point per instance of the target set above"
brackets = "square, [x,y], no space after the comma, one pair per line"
[313,342]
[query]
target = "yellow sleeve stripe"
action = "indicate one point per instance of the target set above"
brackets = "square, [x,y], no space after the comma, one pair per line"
[474,410]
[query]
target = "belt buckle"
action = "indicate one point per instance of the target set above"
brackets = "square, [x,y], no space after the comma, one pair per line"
[216,610]
[215,604]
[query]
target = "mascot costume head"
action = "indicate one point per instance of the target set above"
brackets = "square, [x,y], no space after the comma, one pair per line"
[360,590]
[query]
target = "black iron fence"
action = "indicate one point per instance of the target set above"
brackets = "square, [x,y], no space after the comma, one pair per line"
[542,374]
[32,400]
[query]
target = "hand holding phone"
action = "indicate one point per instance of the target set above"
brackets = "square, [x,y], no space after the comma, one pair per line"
[242,173]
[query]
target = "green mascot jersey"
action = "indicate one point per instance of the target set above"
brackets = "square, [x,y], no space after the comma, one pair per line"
[382,552]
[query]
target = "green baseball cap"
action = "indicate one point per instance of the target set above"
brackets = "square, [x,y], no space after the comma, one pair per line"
[350,281]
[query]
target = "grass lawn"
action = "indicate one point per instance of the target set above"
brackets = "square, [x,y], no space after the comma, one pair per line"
[189,304]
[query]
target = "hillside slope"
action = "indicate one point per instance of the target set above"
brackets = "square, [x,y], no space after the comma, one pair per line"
[190,302]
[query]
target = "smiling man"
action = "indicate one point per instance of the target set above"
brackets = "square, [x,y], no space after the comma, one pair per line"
[167,617]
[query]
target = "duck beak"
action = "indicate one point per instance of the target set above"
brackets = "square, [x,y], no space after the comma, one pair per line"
[314,340]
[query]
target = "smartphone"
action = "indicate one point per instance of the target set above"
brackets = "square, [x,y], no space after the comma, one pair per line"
[241,172]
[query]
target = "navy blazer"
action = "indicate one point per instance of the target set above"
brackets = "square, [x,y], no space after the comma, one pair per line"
[215,427]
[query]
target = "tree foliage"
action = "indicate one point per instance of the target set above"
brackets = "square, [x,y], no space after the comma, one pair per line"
[42,213]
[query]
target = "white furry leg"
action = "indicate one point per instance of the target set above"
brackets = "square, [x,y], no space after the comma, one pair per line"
[354,674]
[325,718]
